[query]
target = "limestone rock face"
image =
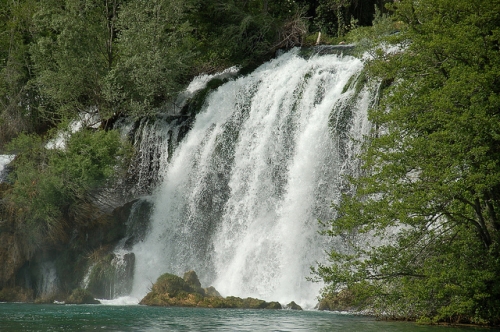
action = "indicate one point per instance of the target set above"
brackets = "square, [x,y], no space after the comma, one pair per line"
[16,294]
[111,276]
[11,258]
[171,290]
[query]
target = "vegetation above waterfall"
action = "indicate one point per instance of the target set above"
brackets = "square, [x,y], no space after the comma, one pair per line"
[423,220]
[59,58]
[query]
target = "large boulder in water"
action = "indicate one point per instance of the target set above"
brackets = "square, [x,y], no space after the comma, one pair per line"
[172,285]
[171,290]
[81,296]
[293,306]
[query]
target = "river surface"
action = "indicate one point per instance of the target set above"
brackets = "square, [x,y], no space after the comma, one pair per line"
[52,317]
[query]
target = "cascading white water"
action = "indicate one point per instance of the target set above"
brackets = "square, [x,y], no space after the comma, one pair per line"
[151,143]
[241,196]
[4,161]
[47,282]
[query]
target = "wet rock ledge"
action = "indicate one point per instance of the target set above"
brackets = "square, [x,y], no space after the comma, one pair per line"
[171,290]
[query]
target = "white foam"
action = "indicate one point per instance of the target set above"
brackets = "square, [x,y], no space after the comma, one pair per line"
[123,300]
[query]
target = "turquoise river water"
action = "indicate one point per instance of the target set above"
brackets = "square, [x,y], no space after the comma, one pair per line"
[34,317]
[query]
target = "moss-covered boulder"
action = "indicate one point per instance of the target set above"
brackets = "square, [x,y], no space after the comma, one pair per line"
[250,303]
[81,296]
[293,306]
[101,276]
[172,285]
[171,290]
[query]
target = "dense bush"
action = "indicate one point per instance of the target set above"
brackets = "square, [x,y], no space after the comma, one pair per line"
[49,183]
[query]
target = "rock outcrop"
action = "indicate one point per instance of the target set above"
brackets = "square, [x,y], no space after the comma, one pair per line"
[293,306]
[81,296]
[171,290]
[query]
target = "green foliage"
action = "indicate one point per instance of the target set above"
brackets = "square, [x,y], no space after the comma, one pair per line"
[429,198]
[72,53]
[49,182]
[155,50]
[59,58]
[373,39]
[338,17]
[161,44]
[15,65]
[229,32]
[171,284]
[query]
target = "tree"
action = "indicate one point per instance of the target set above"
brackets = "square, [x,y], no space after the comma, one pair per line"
[155,51]
[429,197]
[236,32]
[17,100]
[163,44]
[338,17]
[72,53]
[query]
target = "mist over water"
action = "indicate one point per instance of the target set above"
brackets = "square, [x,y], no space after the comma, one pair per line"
[240,197]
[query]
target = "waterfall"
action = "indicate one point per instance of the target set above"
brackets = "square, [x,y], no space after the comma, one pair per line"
[240,197]
[47,282]
[151,141]
[4,161]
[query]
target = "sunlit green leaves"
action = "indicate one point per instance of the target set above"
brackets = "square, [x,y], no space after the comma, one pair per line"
[431,190]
